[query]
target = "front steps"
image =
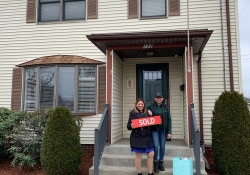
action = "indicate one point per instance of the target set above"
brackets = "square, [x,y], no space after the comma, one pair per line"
[117,159]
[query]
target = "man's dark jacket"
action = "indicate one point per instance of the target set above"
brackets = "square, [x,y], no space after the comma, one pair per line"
[166,117]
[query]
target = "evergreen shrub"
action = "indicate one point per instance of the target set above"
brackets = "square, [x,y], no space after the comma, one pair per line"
[61,150]
[231,134]
[28,140]
[10,124]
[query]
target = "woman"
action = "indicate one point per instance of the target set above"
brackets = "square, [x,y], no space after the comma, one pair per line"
[141,138]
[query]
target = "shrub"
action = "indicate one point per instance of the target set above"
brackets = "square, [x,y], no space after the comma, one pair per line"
[231,134]
[61,149]
[27,145]
[10,124]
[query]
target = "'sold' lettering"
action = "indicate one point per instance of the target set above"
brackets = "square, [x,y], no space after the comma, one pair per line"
[146,122]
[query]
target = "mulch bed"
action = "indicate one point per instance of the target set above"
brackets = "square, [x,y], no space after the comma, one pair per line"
[7,169]
[210,158]
[87,161]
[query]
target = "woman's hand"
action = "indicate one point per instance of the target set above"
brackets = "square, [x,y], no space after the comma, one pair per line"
[132,126]
[150,113]
[168,136]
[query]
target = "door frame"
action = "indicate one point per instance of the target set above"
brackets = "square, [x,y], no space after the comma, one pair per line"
[153,66]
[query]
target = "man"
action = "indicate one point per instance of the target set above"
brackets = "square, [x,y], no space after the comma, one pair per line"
[160,132]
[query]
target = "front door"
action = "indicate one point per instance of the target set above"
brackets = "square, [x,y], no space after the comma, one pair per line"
[152,78]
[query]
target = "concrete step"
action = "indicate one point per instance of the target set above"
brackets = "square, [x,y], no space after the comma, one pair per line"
[129,160]
[118,159]
[121,170]
[171,151]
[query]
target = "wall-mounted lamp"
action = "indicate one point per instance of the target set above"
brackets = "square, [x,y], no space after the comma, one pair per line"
[182,87]
[149,53]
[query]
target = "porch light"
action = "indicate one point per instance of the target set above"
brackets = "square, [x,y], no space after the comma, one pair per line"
[149,53]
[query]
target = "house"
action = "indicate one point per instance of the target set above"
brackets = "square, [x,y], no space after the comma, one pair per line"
[84,53]
[248,102]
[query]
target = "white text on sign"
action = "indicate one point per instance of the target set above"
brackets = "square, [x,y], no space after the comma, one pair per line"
[145,122]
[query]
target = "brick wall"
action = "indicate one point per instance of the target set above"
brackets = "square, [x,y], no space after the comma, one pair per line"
[88,149]
[87,159]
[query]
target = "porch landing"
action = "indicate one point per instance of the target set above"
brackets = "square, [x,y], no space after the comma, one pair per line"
[173,142]
[118,159]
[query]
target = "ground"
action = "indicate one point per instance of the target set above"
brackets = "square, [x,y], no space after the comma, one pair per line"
[6,169]
[210,158]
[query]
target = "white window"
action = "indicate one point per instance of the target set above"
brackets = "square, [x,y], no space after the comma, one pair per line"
[73,87]
[155,8]
[59,10]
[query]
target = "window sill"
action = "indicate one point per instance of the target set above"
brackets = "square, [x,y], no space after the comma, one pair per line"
[83,114]
[61,22]
[153,17]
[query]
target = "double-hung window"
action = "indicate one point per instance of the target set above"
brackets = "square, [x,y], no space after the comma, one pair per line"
[73,87]
[155,8]
[59,10]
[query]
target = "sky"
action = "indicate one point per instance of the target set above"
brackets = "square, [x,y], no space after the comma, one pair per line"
[244,24]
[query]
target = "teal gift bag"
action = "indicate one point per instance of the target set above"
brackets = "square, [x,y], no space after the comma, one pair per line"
[182,166]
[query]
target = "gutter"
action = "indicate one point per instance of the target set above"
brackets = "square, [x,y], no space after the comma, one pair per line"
[229,47]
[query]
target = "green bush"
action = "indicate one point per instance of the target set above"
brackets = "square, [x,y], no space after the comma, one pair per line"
[10,124]
[61,149]
[231,134]
[27,145]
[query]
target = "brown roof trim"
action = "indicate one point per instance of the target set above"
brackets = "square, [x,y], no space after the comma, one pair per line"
[112,38]
[143,35]
[60,59]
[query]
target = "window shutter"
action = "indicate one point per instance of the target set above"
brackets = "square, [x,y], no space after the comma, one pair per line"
[133,9]
[101,88]
[174,7]
[31,11]
[92,9]
[16,94]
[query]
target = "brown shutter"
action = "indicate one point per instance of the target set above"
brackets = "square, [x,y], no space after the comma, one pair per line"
[174,7]
[16,94]
[101,88]
[92,9]
[31,11]
[133,9]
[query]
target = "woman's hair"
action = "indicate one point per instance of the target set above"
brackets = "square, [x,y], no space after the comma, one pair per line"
[137,101]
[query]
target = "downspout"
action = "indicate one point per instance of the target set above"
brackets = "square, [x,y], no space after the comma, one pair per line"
[229,47]
[200,99]
[223,50]
[201,112]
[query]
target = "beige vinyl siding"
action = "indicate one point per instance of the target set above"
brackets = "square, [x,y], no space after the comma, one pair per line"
[21,42]
[117,101]
[88,128]
[175,80]
[176,100]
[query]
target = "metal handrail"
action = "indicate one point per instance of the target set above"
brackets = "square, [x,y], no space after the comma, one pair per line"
[195,137]
[101,138]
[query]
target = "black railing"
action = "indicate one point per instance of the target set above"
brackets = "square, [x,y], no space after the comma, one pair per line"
[101,138]
[195,140]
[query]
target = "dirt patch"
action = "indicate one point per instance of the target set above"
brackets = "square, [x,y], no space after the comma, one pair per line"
[210,158]
[7,169]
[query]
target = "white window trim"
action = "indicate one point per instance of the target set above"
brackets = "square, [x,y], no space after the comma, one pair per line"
[38,14]
[55,101]
[152,17]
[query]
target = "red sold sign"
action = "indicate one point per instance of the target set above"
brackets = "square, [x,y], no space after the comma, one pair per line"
[148,121]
